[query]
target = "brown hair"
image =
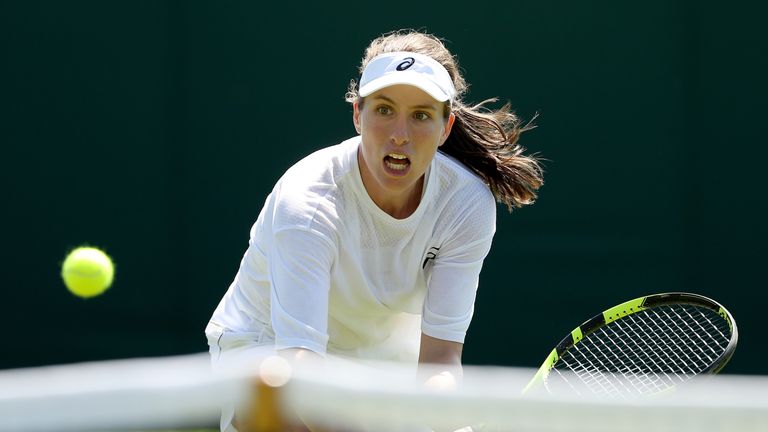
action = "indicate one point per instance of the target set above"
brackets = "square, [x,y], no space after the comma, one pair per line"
[482,139]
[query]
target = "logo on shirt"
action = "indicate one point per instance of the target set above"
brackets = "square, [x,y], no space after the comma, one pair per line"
[431,254]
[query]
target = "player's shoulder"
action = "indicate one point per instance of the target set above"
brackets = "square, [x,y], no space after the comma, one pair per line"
[466,206]
[308,192]
[459,182]
[322,162]
[321,169]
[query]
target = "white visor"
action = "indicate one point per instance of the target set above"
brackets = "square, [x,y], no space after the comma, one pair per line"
[407,68]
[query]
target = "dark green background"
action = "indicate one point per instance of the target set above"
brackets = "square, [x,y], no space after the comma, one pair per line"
[156,129]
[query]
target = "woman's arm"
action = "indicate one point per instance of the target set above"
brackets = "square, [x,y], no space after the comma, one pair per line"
[442,362]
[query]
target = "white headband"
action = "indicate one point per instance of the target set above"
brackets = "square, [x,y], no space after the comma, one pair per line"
[407,68]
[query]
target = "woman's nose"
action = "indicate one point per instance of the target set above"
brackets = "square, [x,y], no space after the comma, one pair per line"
[400,131]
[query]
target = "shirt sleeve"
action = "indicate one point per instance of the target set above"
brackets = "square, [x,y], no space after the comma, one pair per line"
[299,267]
[449,305]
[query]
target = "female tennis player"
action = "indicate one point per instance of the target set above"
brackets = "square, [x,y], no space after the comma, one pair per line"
[372,248]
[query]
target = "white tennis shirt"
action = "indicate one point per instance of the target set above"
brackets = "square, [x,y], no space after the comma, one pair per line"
[328,270]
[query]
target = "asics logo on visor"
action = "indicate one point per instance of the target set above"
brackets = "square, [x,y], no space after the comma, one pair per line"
[407,62]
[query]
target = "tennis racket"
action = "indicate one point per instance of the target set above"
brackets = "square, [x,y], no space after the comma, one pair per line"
[641,347]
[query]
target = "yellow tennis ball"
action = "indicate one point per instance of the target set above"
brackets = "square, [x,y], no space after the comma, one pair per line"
[87,272]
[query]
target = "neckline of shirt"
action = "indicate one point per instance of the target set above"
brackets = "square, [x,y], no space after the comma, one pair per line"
[426,192]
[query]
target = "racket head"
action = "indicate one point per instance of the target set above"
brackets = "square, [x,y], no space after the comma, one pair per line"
[643,346]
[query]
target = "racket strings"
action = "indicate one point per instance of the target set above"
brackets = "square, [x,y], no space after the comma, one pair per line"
[638,343]
[592,371]
[678,357]
[623,364]
[624,370]
[687,341]
[663,334]
[705,338]
[720,342]
[647,340]
[646,352]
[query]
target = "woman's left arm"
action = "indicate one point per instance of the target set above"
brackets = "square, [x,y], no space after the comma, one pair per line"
[440,366]
[440,362]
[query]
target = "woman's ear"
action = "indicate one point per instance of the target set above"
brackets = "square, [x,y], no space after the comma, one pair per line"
[356,116]
[448,127]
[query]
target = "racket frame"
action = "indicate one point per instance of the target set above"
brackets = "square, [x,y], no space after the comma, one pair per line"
[631,307]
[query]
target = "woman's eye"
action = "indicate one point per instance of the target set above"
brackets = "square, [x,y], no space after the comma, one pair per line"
[383,110]
[421,116]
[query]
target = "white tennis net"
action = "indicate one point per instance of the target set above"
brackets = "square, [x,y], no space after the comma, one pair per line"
[181,392]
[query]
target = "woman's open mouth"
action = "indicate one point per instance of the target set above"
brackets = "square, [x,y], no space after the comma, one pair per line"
[396,164]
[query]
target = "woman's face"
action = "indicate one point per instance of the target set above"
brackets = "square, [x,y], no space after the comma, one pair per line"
[401,128]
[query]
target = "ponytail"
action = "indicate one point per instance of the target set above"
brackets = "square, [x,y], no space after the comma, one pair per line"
[486,142]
